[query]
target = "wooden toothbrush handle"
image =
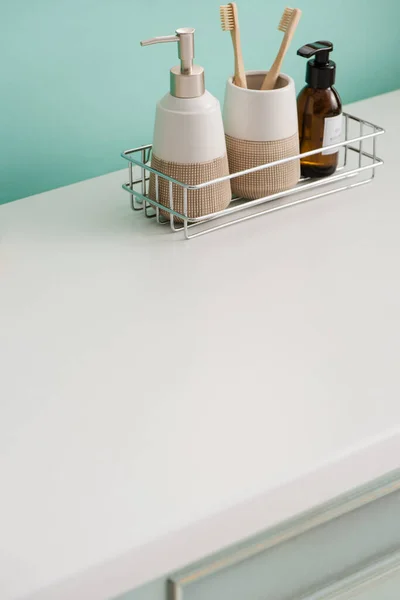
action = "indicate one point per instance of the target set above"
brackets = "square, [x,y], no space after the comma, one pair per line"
[271,77]
[240,74]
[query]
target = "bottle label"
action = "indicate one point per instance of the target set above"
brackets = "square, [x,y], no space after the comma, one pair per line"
[332,133]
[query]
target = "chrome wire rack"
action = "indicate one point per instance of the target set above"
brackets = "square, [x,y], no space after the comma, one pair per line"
[357,163]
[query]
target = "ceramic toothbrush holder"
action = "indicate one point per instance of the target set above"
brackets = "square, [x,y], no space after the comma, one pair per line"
[261,127]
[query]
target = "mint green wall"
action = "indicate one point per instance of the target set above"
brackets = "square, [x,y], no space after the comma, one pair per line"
[76,88]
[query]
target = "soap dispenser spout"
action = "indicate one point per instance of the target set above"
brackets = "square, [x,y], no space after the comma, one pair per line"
[187,79]
[321,71]
[185,38]
[320,50]
[161,39]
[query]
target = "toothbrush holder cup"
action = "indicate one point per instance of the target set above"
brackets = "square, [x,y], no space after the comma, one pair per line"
[261,127]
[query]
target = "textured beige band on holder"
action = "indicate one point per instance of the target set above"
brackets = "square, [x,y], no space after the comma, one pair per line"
[210,199]
[243,154]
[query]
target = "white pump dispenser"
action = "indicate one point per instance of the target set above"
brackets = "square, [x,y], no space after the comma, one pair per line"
[189,140]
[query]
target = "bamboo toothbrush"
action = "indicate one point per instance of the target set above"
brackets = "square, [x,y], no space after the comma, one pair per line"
[287,24]
[230,22]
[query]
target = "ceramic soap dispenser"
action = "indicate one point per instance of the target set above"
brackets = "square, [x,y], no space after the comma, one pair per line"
[189,141]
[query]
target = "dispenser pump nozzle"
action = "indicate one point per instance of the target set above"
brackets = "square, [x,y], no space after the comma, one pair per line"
[321,71]
[320,50]
[187,81]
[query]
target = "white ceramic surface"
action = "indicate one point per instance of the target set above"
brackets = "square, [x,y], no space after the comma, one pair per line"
[112,475]
[260,116]
[189,130]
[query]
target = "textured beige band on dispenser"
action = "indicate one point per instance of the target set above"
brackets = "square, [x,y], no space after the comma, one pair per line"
[201,202]
[243,154]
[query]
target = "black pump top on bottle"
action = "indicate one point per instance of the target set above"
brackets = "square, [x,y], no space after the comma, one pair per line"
[321,71]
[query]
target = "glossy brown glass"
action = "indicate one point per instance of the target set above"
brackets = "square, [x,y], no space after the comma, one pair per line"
[314,106]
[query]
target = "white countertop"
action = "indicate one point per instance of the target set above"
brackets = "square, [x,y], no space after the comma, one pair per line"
[161,398]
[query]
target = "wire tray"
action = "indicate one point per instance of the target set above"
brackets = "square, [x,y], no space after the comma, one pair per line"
[357,163]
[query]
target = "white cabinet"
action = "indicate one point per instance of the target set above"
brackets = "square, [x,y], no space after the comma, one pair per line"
[377,581]
[386,589]
[348,548]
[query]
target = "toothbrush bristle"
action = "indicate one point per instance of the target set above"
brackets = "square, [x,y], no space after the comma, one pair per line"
[286,19]
[227,18]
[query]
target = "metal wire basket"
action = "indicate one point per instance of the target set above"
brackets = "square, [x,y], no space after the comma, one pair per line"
[357,164]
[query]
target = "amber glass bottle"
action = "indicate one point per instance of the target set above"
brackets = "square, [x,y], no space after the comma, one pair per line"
[319,112]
